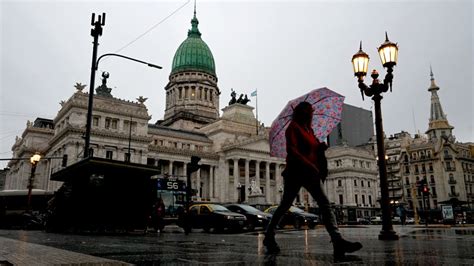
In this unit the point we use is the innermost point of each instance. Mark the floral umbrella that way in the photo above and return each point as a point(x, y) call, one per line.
point(327, 106)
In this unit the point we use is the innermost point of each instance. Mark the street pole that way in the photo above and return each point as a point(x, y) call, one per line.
point(95, 32)
point(428, 208)
point(191, 167)
point(387, 232)
point(30, 185)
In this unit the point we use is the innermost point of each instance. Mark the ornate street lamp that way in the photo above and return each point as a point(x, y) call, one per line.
point(34, 161)
point(388, 53)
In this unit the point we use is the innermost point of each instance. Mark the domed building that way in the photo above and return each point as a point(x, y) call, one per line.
point(192, 94)
point(235, 160)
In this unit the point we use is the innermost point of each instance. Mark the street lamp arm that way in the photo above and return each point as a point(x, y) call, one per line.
point(126, 57)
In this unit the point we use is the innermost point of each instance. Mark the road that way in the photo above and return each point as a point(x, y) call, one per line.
point(417, 245)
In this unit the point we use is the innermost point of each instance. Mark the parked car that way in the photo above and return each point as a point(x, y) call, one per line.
point(410, 220)
point(216, 217)
point(296, 217)
point(255, 217)
point(363, 220)
point(396, 220)
point(376, 220)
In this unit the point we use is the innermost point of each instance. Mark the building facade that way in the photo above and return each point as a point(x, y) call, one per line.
point(353, 183)
point(235, 160)
point(446, 165)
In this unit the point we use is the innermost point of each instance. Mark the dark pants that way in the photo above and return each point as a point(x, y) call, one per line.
point(292, 186)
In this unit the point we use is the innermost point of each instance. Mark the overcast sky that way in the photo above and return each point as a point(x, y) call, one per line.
point(283, 48)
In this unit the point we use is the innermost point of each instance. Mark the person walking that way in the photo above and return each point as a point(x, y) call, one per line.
point(403, 214)
point(158, 215)
point(305, 169)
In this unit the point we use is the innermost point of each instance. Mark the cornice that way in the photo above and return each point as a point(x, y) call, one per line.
point(98, 133)
point(183, 152)
point(32, 129)
point(169, 132)
point(101, 104)
point(352, 170)
point(247, 150)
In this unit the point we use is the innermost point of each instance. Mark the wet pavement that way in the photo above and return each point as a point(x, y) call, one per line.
point(417, 245)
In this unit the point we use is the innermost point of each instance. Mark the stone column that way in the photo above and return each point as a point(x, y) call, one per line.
point(211, 181)
point(267, 182)
point(236, 178)
point(257, 174)
point(247, 181)
point(222, 184)
point(198, 184)
point(170, 168)
point(185, 169)
point(278, 182)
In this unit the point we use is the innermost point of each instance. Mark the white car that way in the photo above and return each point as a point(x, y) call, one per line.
point(376, 220)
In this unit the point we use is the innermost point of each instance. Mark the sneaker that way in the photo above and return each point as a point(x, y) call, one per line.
point(342, 246)
point(270, 243)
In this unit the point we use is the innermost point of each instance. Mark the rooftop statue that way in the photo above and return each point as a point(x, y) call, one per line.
point(232, 97)
point(141, 99)
point(79, 86)
point(103, 90)
point(241, 98)
point(245, 100)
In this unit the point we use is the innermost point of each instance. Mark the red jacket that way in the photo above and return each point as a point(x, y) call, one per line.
point(304, 152)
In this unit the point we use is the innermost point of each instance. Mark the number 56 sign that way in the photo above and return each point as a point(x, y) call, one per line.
point(166, 184)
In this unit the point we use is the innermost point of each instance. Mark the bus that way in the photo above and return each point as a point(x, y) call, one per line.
point(14, 212)
point(173, 193)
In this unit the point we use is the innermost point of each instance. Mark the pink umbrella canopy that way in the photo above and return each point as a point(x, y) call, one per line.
point(327, 106)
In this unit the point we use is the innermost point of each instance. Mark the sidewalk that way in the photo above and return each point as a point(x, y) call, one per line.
point(416, 246)
point(16, 252)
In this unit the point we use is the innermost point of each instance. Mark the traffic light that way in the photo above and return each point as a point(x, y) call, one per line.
point(193, 166)
point(426, 190)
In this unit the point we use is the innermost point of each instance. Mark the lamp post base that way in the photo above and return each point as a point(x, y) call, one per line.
point(388, 235)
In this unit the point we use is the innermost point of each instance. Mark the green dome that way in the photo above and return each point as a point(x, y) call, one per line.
point(193, 54)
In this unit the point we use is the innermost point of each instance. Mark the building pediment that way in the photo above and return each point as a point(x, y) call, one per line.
point(258, 143)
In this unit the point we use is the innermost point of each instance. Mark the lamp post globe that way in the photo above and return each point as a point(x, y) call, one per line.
point(388, 53)
point(35, 158)
point(360, 62)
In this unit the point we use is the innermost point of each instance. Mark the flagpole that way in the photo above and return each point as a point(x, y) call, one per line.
point(256, 107)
